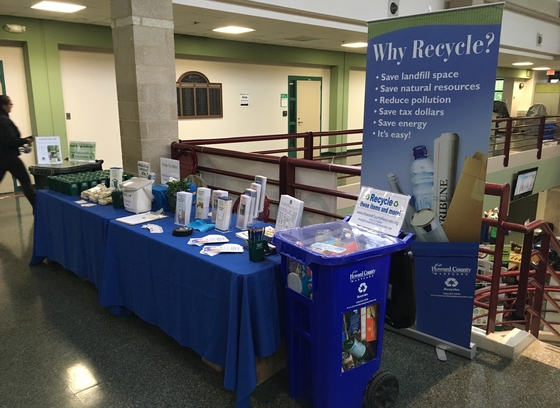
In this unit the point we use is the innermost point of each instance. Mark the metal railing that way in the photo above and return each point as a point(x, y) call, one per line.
point(510, 135)
point(507, 136)
point(309, 150)
point(521, 291)
point(283, 176)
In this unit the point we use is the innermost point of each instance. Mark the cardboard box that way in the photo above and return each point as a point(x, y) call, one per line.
point(266, 366)
point(464, 216)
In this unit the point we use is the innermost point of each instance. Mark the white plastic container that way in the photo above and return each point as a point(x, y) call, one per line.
point(137, 195)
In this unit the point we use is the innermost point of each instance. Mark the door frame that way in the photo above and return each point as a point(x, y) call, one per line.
point(292, 107)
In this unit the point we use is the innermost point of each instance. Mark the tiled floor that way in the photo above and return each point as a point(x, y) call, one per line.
point(59, 348)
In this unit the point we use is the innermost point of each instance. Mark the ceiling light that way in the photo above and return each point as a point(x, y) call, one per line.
point(541, 69)
point(14, 28)
point(59, 7)
point(355, 45)
point(233, 30)
point(522, 64)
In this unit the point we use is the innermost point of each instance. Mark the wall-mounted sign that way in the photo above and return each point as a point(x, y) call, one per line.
point(283, 100)
point(244, 99)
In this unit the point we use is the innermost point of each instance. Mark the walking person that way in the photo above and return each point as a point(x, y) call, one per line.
point(10, 142)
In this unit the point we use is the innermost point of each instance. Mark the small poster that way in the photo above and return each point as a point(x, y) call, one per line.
point(244, 99)
point(143, 169)
point(82, 151)
point(169, 168)
point(48, 150)
point(380, 211)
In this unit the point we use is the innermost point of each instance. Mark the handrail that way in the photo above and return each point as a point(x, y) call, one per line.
point(529, 282)
point(507, 135)
point(286, 180)
point(521, 133)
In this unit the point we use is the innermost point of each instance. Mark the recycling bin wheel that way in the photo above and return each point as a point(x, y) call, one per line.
point(382, 390)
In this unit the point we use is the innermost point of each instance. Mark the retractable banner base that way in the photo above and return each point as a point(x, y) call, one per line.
point(467, 352)
point(445, 285)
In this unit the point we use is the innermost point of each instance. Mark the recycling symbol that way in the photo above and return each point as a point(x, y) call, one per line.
point(451, 282)
point(362, 288)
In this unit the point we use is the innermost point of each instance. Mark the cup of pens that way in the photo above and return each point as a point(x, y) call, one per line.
point(258, 246)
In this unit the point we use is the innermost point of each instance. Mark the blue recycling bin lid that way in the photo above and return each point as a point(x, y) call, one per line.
point(336, 243)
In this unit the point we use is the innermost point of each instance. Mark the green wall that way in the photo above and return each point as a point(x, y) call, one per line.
point(43, 38)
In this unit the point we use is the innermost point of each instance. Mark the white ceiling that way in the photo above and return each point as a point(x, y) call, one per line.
point(200, 22)
point(196, 21)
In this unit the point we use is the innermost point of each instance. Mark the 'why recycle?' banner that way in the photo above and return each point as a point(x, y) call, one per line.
point(427, 120)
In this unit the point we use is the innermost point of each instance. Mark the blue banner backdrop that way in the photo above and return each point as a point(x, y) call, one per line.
point(429, 96)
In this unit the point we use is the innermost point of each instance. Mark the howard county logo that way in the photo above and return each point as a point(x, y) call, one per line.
point(439, 269)
point(358, 276)
point(362, 288)
point(451, 283)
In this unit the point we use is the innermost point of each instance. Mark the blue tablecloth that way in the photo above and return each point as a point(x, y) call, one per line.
point(225, 307)
point(72, 235)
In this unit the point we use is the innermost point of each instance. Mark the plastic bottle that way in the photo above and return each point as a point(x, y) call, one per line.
point(357, 349)
point(422, 170)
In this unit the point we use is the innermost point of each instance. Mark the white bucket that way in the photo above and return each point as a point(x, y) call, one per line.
point(137, 195)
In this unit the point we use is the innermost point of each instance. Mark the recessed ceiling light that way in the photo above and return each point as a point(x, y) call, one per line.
point(541, 68)
point(522, 64)
point(59, 7)
point(355, 45)
point(233, 30)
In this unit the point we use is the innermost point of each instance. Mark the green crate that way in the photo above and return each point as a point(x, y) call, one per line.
point(83, 185)
point(53, 183)
point(69, 187)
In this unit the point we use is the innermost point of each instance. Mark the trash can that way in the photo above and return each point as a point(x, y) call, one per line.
point(41, 172)
point(336, 279)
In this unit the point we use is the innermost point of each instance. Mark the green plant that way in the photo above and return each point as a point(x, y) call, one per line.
point(173, 187)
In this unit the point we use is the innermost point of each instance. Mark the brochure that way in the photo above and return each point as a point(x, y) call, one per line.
point(290, 211)
point(208, 239)
point(215, 250)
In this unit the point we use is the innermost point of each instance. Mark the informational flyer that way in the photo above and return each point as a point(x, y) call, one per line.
point(82, 151)
point(48, 150)
point(380, 211)
point(169, 168)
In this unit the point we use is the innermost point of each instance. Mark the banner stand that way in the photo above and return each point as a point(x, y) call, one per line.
point(434, 341)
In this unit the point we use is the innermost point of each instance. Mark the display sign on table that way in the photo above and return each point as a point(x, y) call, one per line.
point(169, 168)
point(48, 150)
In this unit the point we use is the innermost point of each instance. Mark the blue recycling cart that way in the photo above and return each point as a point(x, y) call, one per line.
point(336, 278)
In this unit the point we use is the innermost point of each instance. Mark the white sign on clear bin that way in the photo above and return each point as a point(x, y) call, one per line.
point(380, 211)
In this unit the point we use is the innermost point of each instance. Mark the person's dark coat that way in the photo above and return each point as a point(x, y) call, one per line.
point(10, 138)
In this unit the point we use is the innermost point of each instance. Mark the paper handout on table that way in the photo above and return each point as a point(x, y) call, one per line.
point(216, 249)
point(154, 228)
point(208, 239)
point(141, 218)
